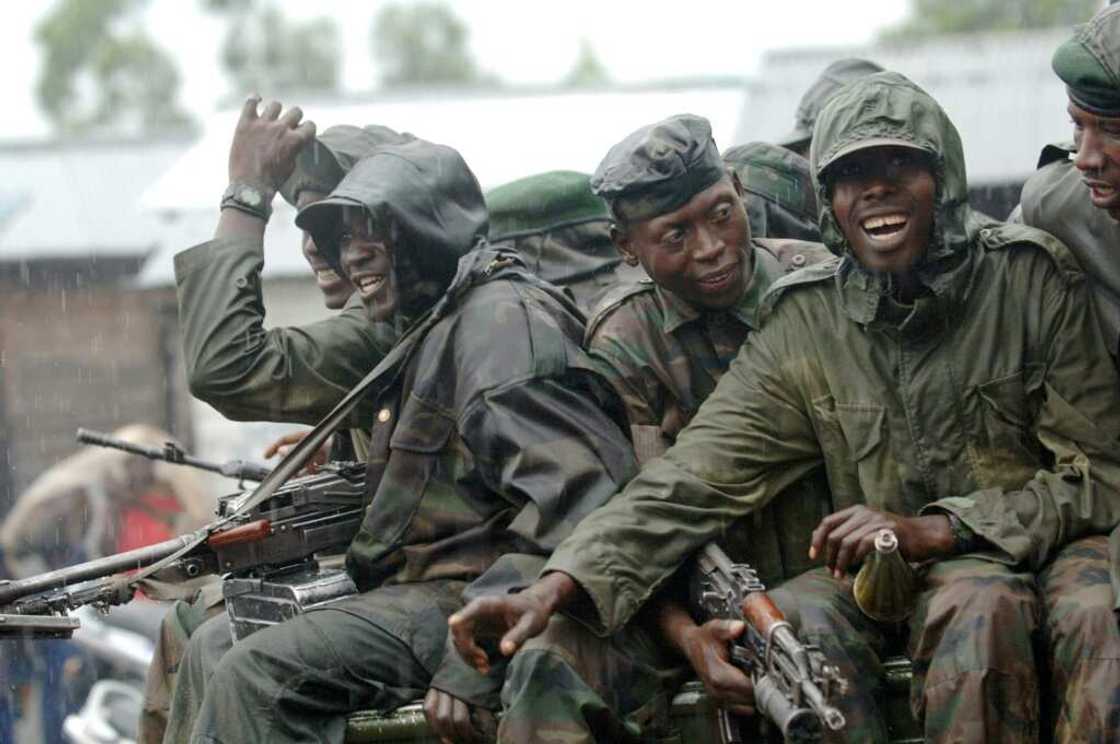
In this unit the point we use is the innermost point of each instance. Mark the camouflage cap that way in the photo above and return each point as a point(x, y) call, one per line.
point(543, 201)
point(775, 174)
point(1089, 64)
point(835, 76)
point(322, 163)
point(658, 168)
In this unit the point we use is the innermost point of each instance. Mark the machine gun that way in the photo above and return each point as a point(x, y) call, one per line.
point(254, 542)
point(794, 686)
point(174, 454)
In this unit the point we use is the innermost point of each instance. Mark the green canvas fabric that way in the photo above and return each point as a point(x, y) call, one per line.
point(1089, 64)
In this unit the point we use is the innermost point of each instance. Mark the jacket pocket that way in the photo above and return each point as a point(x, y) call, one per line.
point(418, 447)
point(852, 439)
point(1004, 451)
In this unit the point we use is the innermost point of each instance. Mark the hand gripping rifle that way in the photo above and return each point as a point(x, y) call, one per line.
point(256, 535)
point(794, 686)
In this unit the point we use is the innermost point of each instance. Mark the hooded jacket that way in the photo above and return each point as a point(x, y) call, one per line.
point(991, 397)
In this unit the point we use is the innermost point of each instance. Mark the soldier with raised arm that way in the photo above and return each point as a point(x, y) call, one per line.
point(951, 381)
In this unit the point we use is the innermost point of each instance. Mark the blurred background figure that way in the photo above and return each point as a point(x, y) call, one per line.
point(96, 502)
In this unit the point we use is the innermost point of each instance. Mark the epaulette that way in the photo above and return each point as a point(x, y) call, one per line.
point(812, 274)
point(794, 254)
point(1058, 151)
point(1005, 236)
point(612, 300)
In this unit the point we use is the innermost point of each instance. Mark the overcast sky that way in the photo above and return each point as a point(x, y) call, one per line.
point(520, 41)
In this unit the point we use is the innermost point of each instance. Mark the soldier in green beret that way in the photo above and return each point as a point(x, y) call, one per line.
point(1075, 195)
point(832, 78)
point(952, 381)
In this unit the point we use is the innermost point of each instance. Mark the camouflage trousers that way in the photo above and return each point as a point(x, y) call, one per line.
point(970, 640)
point(1082, 643)
point(298, 680)
point(569, 686)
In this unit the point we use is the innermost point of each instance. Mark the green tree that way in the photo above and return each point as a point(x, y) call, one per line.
point(265, 52)
point(930, 17)
point(423, 44)
point(588, 71)
point(102, 75)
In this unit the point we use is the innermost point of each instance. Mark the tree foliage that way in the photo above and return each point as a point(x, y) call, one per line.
point(423, 44)
point(931, 17)
point(588, 71)
point(101, 76)
point(265, 52)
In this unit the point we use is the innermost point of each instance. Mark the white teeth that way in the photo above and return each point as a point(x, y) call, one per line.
point(369, 283)
point(890, 220)
point(327, 275)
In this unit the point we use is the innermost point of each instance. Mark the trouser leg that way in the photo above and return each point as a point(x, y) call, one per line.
point(1082, 642)
point(975, 676)
point(569, 686)
point(178, 625)
point(297, 681)
point(823, 612)
point(206, 647)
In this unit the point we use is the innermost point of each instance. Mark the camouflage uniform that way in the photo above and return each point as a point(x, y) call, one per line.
point(663, 356)
point(779, 191)
point(483, 457)
point(249, 373)
point(1081, 588)
point(989, 398)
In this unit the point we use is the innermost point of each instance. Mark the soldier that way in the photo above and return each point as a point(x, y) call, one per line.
point(833, 78)
point(237, 376)
point(951, 382)
point(1078, 200)
point(484, 454)
point(663, 343)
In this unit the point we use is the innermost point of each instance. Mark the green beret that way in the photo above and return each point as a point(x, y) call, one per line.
point(658, 168)
point(322, 163)
point(541, 202)
point(1087, 63)
point(835, 76)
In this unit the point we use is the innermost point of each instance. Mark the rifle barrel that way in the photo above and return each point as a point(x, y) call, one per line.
point(11, 591)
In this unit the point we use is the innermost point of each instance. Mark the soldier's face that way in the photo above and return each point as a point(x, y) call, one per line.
point(336, 289)
point(698, 251)
point(367, 259)
point(1097, 139)
point(883, 199)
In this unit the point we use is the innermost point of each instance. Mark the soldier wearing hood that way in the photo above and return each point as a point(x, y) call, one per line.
point(832, 78)
point(488, 444)
point(951, 380)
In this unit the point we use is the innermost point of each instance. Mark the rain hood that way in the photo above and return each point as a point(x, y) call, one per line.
point(887, 109)
point(424, 191)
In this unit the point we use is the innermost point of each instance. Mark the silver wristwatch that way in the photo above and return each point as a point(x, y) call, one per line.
point(248, 199)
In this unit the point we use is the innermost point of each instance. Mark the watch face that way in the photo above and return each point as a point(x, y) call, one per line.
point(250, 196)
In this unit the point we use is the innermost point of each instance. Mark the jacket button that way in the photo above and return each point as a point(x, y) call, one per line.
point(798, 260)
point(241, 282)
point(384, 415)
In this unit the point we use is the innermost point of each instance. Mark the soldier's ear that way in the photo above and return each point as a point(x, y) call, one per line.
point(621, 238)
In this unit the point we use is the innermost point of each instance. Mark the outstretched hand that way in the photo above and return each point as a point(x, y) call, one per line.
point(847, 536)
point(265, 144)
point(512, 618)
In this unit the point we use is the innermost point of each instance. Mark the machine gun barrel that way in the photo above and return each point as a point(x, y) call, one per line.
point(12, 591)
point(171, 452)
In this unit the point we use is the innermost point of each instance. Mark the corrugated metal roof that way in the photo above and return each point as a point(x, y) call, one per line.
point(66, 200)
point(998, 89)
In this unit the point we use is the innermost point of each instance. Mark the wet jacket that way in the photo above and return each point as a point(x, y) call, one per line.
point(663, 357)
point(990, 397)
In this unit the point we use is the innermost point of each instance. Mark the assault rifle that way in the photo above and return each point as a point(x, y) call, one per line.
point(252, 541)
point(794, 686)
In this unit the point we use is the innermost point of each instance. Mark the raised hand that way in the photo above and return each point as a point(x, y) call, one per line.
point(265, 144)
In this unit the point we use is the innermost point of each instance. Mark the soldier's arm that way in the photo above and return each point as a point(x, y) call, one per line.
point(1078, 426)
point(294, 374)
